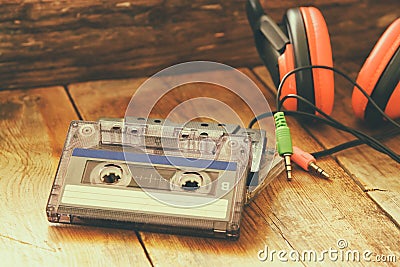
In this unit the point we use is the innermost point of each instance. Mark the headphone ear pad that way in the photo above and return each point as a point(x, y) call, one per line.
point(379, 77)
point(319, 46)
point(392, 107)
point(309, 45)
point(286, 64)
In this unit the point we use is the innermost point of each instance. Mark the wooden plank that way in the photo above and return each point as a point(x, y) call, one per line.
point(389, 201)
point(59, 42)
point(371, 170)
point(33, 127)
point(109, 98)
point(307, 214)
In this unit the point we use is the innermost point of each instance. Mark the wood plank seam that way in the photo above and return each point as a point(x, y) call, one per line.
point(146, 252)
point(78, 113)
point(392, 217)
point(280, 232)
point(51, 249)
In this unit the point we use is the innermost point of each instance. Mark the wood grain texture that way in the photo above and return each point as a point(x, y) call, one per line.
point(306, 214)
point(59, 42)
point(371, 170)
point(33, 127)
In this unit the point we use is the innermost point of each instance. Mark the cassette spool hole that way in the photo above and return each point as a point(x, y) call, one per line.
point(191, 181)
point(111, 174)
point(190, 185)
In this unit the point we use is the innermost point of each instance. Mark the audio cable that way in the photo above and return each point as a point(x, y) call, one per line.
point(306, 160)
point(354, 83)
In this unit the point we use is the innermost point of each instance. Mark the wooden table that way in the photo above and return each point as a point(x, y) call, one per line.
point(361, 205)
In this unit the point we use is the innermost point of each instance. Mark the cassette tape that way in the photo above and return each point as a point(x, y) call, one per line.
point(155, 175)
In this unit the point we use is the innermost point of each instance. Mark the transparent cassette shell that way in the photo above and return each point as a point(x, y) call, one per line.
point(202, 143)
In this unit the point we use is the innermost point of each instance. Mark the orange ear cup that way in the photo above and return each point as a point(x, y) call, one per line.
point(372, 70)
point(319, 47)
point(286, 64)
point(393, 108)
point(321, 54)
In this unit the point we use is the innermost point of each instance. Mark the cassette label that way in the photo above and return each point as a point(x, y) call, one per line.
point(139, 201)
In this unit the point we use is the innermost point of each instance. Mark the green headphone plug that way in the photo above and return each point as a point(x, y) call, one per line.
point(284, 141)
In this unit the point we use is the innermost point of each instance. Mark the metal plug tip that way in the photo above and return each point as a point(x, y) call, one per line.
point(288, 167)
point(325, 175)
point(289, 175)
point(319, 171)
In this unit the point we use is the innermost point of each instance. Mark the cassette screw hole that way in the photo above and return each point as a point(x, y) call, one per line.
point(86, 130)
point(232, 143)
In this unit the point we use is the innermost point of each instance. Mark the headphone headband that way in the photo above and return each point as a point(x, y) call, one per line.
point(270, 40)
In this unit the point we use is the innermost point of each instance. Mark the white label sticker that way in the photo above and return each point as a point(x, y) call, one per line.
point(138, 201)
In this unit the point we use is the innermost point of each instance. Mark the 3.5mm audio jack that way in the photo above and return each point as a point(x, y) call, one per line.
point(307, 162)
point(284, 141)
point(288, 166)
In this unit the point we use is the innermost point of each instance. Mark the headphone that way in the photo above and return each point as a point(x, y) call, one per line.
point(302, 40)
